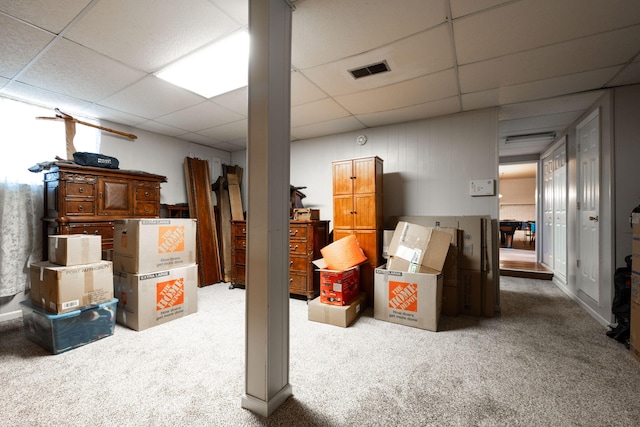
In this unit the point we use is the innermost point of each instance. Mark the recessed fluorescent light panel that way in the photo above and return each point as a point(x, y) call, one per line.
point(214, 70)
point(542, 136)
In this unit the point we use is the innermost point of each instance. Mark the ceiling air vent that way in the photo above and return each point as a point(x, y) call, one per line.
point(369, 70)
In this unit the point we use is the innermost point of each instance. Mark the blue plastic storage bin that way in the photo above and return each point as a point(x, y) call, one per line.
point(62, 332)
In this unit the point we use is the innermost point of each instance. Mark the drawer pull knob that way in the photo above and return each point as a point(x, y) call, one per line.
point(81, 190)
point(96, 232)
point(85, 232)
point(290, 280)
point(290, 262)
point(293, 248)
point(244, 231)
point(293, 232)
point(80, 208)
point(146, 193)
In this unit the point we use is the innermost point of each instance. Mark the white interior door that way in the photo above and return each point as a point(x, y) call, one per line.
point(560, 213)
point(546, 236)
point(589, 199)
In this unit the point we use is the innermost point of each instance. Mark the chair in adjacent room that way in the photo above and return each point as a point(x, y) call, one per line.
point(530, 232)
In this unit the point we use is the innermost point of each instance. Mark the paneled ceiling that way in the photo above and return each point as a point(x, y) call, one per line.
point(541, 62)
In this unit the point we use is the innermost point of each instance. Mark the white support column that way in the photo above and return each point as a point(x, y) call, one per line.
point(267, 276)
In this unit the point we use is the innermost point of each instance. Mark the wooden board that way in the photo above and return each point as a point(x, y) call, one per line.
point(224, 209)
point(201, 208)
point(235, 199)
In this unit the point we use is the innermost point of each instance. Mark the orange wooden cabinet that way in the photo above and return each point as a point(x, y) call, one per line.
point(88, 200)
point(357, 209)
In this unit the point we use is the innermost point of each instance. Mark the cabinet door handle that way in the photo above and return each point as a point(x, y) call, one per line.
point(352, 177)
point(354, 212)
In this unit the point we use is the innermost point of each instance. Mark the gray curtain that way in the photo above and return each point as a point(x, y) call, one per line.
point(21, 212)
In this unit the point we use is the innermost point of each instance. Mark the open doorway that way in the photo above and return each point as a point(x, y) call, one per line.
point(517, 217)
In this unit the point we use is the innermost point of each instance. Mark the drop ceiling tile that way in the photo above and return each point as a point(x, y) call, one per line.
point(317, 111)
point(237, 100)
point(151, 97)
point(629, 75)
point(528, 24)
point(546, 123)
point(466, 7)
point(331, 127)
point(199, 139)
point(76, 71)
point(150, 33)
point(556, 86)
point(561, 104)
point(37, 96)
point(483, 99)
point(441, 107)
point(424, 53)
point(20, 44)
point(326, 31)
point(161, 128)
point(230, 147)
point(199, 117)
point(588, 53)
point(227, 132)
point(303, 90)
point(404, 94)
point(236, 9)
point(95, 110)
point(52, 16)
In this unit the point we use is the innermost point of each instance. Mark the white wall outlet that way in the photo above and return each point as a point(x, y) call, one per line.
point(482, 187)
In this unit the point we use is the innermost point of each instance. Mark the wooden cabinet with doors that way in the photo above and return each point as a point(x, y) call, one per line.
point(88, 200)
point(306, 238)
point(357, 209)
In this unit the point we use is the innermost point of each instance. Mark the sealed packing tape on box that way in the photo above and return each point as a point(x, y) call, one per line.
point(61, 289)
point(74, 249)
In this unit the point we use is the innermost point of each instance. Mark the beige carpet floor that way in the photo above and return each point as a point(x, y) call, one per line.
point(542, 362)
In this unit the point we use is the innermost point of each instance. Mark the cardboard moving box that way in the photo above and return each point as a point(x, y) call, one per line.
point(418, 249)
point(75, 249)
point(337, 315)
point(151, 299)
point(148, 245)
point(61, 289)
point(411, 299)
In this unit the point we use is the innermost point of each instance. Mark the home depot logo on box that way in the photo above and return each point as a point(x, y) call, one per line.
point(170, 239)
point(403, 296)
point(169, 293)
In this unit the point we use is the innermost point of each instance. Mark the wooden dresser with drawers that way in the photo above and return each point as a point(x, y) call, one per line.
point(88, 200)
point(306, 238)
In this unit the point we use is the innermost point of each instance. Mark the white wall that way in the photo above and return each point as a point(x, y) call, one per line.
point(518, 199)
point(427, 165)
point(158, 154)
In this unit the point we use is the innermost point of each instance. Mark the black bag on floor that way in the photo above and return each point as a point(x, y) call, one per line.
point(621, 306)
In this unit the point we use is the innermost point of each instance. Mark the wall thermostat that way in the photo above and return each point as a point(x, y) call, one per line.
point(482, 187)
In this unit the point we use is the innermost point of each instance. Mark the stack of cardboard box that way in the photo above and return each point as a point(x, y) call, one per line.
point(408, 290)
point(634, 331)
point(155, 270)
point(471, 279)
point(340, 301)
point(71, 294)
